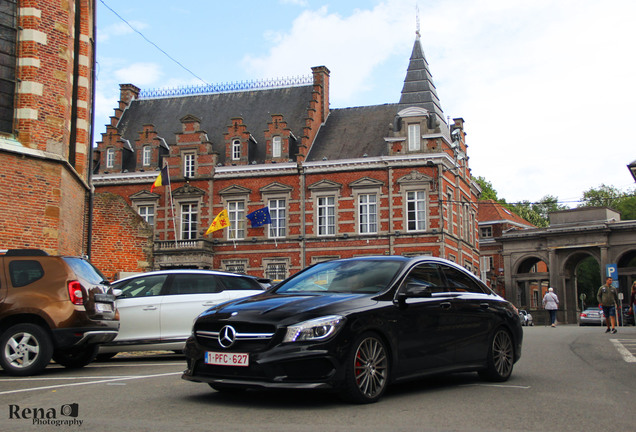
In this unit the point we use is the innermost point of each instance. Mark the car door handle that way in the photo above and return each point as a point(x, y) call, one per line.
point(149, 308)
point(445, 305)
point(484, 305)
point(210, 303)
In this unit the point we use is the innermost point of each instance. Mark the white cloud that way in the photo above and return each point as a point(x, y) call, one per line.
point(142, 74)
point(119, 29)
point(351, 47)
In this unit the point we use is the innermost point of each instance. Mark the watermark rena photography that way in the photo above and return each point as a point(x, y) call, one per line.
point(63, 415)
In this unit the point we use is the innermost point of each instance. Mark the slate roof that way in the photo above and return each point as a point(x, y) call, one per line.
point(351, 133)
point(215, 112)
point(418, 89)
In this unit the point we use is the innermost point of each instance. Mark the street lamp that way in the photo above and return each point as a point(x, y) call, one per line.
point(632, 169)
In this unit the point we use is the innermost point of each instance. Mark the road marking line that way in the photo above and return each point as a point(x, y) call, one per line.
point(497, 385)
point(44, 378)
point(135, 365)
point(101, 381)
point(624, 352)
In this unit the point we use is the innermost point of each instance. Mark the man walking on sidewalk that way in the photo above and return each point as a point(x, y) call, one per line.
point(608, 298)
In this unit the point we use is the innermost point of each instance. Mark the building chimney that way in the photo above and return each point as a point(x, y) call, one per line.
point(128, 93)
point(321, 85)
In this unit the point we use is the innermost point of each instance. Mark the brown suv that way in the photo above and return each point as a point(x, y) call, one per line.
point(52, 307)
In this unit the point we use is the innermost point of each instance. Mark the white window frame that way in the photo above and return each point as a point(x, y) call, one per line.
point(189, 220)
point(367, 213)
point(277, 146)
point(486, 231)
point(414, 214)
point(236, 215)
point(414, 137)
point(147, 213)
point(278, 214)
point(110, 157)
point(236, 149)
point(189, 164)
point(326, 215)
point(146, 156)
point(280, 267)
point(235, 266)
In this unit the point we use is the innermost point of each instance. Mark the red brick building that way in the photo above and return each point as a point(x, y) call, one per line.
point(374, 180)
point(46, 90)
point(495, 220)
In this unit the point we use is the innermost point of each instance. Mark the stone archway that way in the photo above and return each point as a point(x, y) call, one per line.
point(576, 282)
point(531, 279)
point(626, 272)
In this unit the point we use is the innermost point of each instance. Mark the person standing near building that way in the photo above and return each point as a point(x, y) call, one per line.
point(608, 299)
point(632, 302)
point(551, 304)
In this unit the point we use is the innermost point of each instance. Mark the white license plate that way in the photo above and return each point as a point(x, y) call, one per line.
point(227, 359)
point(103, 307)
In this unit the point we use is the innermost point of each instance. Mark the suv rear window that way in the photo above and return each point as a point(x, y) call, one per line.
point(24, 272)
point(240, 283)
point(85, 270)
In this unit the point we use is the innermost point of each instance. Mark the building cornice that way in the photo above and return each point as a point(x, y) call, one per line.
point(290, 168)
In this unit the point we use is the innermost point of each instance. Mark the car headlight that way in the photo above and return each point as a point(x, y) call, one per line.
point(315, 329)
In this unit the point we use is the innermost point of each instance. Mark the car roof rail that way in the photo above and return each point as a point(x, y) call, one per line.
point(25, 252)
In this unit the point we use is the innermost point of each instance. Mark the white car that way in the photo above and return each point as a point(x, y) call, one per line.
point(526, 318)
point(157, 309)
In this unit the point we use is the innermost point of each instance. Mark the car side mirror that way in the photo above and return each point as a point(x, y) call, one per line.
point(414, 290)
point(117, 292)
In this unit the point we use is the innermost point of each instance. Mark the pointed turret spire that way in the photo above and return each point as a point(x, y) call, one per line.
point(419, 89)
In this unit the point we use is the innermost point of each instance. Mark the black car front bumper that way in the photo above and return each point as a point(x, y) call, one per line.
point(295, 366)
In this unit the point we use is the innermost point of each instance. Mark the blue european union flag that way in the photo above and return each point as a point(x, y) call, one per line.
point(260, 217)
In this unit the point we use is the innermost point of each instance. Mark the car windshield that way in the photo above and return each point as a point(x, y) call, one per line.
point(359, 277)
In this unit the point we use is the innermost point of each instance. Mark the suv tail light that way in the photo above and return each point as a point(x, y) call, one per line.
point(75, 292)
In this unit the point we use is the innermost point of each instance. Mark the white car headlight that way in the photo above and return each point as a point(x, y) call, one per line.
point(315, 329)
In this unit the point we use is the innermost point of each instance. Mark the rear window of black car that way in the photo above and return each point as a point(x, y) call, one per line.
point(24, 272)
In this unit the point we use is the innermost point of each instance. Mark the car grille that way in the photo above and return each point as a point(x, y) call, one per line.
point(247, 337)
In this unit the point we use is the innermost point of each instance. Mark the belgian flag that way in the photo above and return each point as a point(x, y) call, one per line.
point(162, 178)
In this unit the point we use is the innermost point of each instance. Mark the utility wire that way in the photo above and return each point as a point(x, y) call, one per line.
point(154, 44)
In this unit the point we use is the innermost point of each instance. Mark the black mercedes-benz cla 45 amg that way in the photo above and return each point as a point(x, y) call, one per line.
point(355, 326)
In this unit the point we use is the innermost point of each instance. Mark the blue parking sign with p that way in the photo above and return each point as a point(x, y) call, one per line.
point(611, 270)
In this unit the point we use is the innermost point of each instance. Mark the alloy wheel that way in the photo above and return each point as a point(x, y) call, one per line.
point(370, 367)
point(502, 353)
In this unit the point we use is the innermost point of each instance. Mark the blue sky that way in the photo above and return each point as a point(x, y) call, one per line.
point(546, 87)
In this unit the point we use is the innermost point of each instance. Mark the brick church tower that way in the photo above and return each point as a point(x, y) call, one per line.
point(46, 92)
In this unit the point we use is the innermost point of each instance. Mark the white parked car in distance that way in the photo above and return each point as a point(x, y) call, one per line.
point(526, 318)
point(157, 309)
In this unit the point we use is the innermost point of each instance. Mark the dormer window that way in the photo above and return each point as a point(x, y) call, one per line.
point(146, 156)
point(110, 158)
point(236, 150)
point(276, 147)
point(188, 165)
point(414, 137)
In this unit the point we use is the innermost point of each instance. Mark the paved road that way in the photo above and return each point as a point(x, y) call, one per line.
point(569, 378)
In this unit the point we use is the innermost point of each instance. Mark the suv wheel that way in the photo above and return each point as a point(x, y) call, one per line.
point(76, 357)
point(25, 349)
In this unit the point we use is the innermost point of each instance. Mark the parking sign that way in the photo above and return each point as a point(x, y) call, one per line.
point(611, 270)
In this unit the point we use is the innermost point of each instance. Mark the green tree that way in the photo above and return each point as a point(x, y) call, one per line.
point(488, 192)
point(538, 213)
point(610, 196)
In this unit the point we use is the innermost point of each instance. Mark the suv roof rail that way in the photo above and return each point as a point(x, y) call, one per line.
point(25, 252)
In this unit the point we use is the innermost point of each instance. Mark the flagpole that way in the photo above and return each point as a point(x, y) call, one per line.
point(174, 225)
